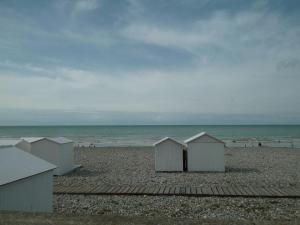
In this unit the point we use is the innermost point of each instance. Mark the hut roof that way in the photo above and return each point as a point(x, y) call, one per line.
point(32, 139)
point(201, 135)
point(59, 140)
point(8, 142)
point(16, 164)
point(171, 139)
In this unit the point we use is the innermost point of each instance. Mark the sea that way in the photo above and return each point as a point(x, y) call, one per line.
point(146, 135)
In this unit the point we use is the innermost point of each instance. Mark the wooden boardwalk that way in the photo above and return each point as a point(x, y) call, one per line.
point(234, 191)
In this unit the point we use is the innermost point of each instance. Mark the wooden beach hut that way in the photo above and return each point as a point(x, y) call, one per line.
point(58, 151)
point(169, 155)
point(26, 181)
point(205, 153)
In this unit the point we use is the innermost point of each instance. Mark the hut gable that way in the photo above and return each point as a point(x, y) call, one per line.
point(60, 140)
point(32, 139)
point(168, 139)
point(25, 165)
point(203, 137)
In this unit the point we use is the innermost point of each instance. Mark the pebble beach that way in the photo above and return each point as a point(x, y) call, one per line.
point(257, 167)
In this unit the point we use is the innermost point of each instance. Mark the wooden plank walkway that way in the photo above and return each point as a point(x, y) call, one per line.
point(236, 191)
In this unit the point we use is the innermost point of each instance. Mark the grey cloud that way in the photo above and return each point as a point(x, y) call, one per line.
point(292, 64)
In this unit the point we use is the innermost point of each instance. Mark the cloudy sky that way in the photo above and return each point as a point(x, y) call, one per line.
point(149, 62)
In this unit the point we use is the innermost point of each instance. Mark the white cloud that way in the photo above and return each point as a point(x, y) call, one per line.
point(84, 6)
point(219, 90)
point(249, 33)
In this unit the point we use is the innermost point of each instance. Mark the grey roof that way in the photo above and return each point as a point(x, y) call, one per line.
point(16, 164)
point(8, 142)
point(32, 139)
point(168, 138)
point(61, 140)
point(200, 135)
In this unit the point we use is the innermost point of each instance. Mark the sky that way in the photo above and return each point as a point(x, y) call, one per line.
point(149, 62)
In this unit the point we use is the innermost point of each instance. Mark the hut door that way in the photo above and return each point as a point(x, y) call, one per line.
point(184, 160)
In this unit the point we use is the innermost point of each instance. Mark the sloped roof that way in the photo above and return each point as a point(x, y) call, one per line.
point(32, 139)
point(8, 142)
point(201, 135)
point(16, 164)
point(168, 138)
point(60, 140)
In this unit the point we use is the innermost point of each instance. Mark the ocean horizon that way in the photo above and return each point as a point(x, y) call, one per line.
point(144, 135)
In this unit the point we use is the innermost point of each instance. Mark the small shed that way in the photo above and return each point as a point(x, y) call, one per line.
point(26, 181)
point(169, 155)
point(58, 151)
point(205, 153)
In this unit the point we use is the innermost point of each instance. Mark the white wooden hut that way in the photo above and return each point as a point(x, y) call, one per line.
point(58, 151)
point(26, 181)
point(169, 155)
point(205, 153)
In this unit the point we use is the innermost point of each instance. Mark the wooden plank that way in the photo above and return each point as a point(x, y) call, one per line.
point(275, 192)
point(227, 191)
point(141, 190)
point(177, 190)
point(124, 189)
point(254, 192)
point(115, 189)
point(247, 191)
point(98, 189)
point(188, 190)
point(57, 189)
point(156, 190)
point(294, 191)
point(289, 191)
point(89, 189)
point(284, 192)
point(166, 191)
point(268, 192)
point(214, 190)
point(199, 190)
point(172, 190)
point(220, 190)
point(135, 189)
point(151, 190)
point(262, 192)
point(237, 191)
point(193, 191)
point(73, 189)
point(182, 191)
point(161, 190)
point(107, 190)
point(146, 190)
point(241, 190)
point(207, 191)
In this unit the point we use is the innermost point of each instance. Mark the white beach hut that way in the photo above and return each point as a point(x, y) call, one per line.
point(58, 151)
point(26, 181)
point(169, 155)
point(205, 153)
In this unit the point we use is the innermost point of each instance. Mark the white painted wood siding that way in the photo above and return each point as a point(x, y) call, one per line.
point(168, 156)
point(61, 155)
point(32, 194)
point(206, 156)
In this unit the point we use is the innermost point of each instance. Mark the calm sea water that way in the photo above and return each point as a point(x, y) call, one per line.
point(146, 135)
